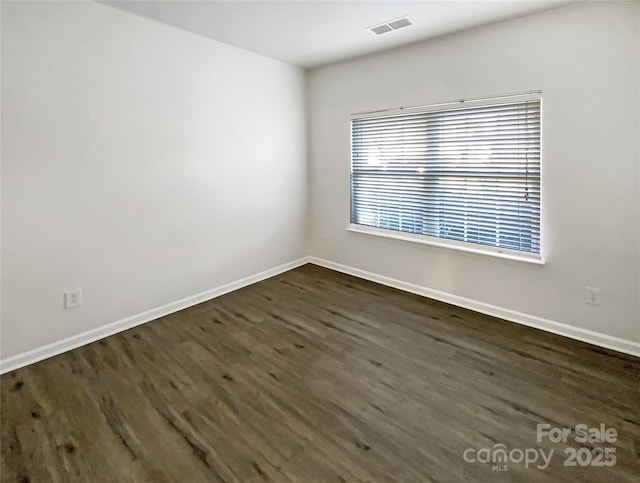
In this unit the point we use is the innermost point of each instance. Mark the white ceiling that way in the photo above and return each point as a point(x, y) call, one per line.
point(310, 33)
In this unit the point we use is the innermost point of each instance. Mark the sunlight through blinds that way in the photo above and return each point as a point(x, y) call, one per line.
point(469, 173)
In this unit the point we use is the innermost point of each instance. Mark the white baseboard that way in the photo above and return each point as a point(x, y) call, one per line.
point(64, 345)
point(584, 335)
point(55, 348)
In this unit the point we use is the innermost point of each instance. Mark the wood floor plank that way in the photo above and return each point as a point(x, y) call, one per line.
point(315, 376)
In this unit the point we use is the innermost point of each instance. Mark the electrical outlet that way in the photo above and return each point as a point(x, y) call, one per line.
point(592, 296)
point(72, 298)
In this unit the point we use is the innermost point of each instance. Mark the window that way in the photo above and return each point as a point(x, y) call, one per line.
point(469, 173)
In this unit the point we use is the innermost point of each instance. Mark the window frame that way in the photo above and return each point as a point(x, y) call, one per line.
point(468, 247)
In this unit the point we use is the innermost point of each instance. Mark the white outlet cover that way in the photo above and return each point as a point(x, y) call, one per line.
point(592, 296)
point(72, 298)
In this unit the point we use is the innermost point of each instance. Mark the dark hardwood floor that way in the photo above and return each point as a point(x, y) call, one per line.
point(315, 376)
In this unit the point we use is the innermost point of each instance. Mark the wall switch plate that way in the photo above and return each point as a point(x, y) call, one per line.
point(72, 298)
point(592, 296)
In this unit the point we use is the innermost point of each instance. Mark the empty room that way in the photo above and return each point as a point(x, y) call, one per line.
point(320, 241)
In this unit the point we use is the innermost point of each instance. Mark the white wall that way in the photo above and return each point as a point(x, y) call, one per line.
point(140, 163)
point(145, 164)
point(585, 58)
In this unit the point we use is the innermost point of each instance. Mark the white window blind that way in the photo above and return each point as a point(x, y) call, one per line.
point(470, 173)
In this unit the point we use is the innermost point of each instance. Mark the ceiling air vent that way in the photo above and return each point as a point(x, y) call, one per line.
point(391, 25)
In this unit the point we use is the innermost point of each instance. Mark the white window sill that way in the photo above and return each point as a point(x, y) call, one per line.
point(451, 244)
